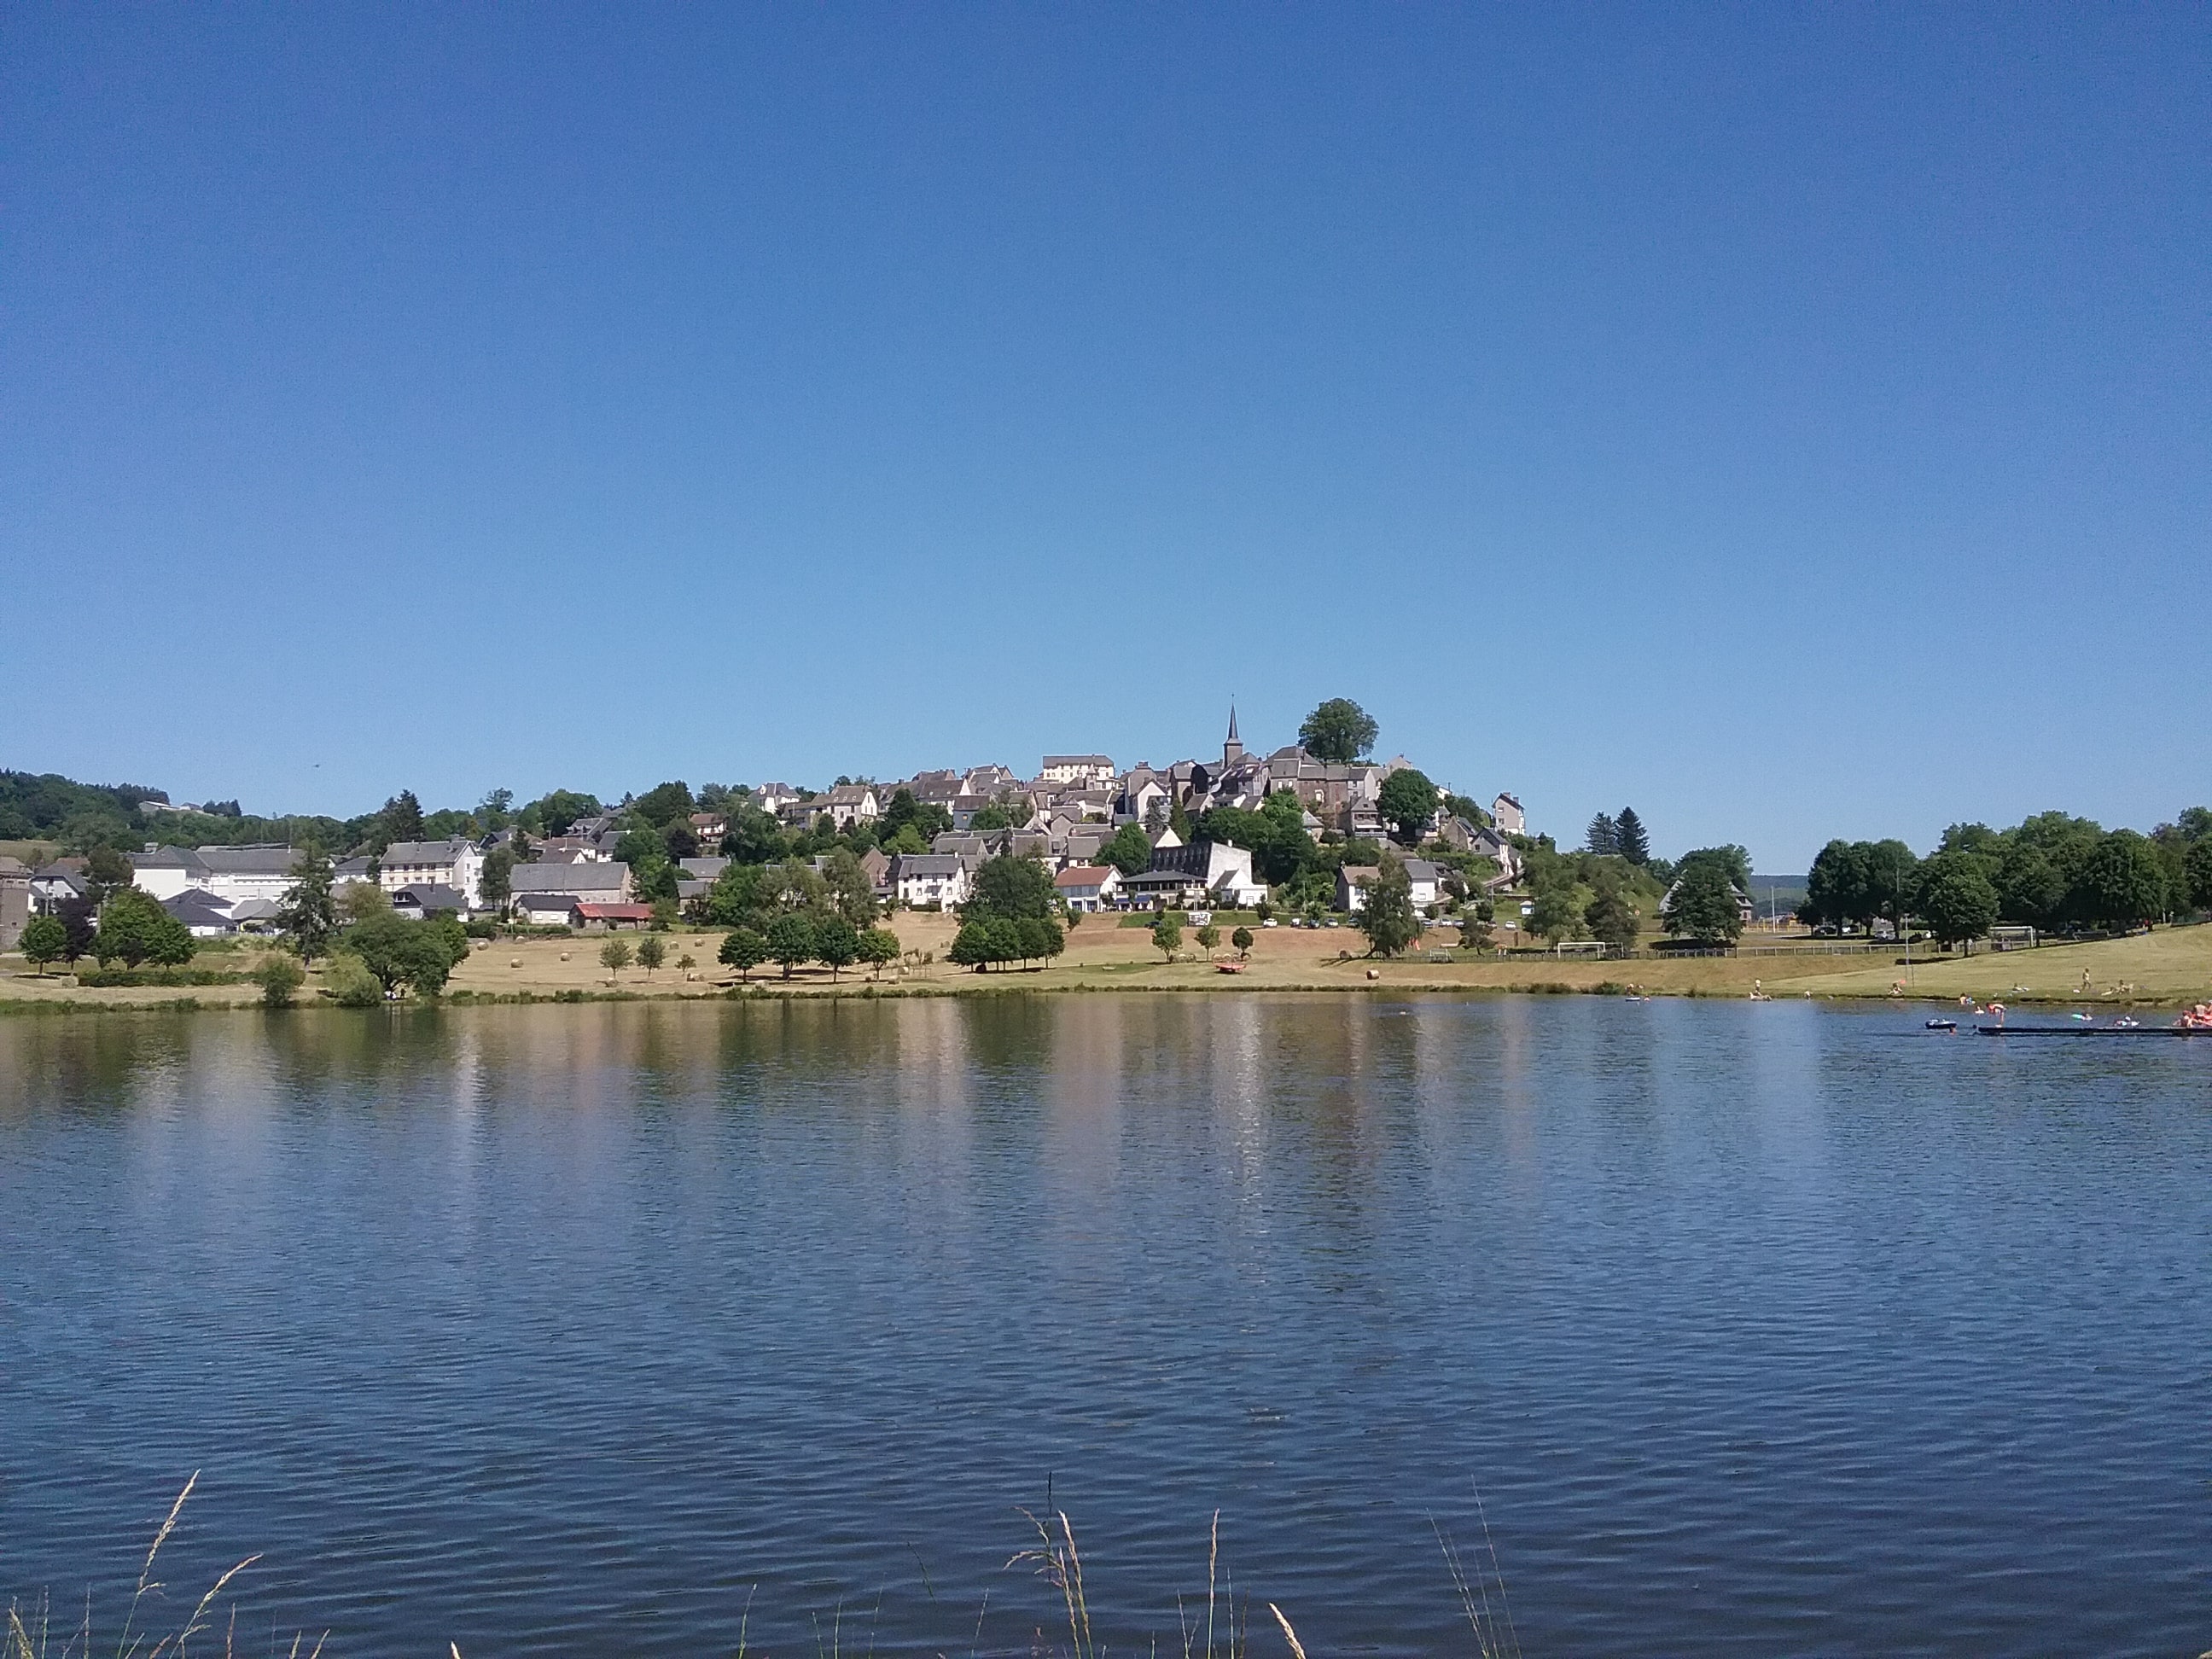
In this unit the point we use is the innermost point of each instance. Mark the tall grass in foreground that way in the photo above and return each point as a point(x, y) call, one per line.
point(33, 1637)
point(1220, 1628)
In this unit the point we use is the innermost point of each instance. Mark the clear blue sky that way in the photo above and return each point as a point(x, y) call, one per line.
point(1790, 421)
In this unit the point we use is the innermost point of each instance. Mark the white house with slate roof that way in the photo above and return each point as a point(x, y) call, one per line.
point(456, 864)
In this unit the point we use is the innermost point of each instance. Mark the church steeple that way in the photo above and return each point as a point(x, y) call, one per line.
point(1232, 751)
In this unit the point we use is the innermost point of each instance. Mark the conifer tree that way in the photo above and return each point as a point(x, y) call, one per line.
point(1629, 840)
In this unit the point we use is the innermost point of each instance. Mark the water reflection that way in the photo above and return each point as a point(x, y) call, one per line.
point(548, 1328)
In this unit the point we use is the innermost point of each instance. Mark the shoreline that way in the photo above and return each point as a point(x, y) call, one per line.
point(190, 1002)
point(2170, 968)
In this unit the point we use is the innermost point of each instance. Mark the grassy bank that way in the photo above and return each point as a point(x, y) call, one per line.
point(2169, 968)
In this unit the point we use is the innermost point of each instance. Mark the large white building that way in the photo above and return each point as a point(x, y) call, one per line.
point(230, 874)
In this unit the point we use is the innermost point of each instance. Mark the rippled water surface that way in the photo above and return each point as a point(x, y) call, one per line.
point(1757, 1328)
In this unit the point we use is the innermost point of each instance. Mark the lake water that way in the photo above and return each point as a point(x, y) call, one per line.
point(1755, 1328)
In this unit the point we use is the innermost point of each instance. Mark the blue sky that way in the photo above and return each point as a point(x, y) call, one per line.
point(1790, 421)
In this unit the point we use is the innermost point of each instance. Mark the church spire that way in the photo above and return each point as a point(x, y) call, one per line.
point(1232, 722)
point(1232, 751)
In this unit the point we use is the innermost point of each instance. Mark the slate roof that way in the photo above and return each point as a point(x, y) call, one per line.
point(567, 878)
point(424, 852)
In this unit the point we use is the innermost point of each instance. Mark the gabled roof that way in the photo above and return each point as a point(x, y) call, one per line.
point(928, 865)
point(428, 896)
point(424, 852)
point(566, 877)
point(546, 900)
point(267, 859)
point(1085, 875)
point(198, 907)
point(592, 910)
point(168, 858)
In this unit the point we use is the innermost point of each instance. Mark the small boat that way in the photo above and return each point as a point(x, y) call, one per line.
point(1942, 1025)
point(1229, 967)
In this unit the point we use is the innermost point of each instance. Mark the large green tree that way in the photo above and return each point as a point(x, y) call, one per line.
point(134, 929)
point(309, 911)
point(1702, 906)
point(790, 939)
point(1955, 899)
point(420, 955)
point(664, 804)
point(847, 889)
point(1407, 803)
point(1128, 850)
point(2197, 867)
point(1387, 916)
point(1611, 919)
point(495, 884)
point(1629, 839)
point(743, 949)
point(2122, 883)
point(836, 942)
point(44, 940)
point(401, 818)
point(1338, 729)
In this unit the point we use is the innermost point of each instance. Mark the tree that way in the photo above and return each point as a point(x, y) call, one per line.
point(790, 939)
point(880, 947)
point(1009, 886)
point(848, 888)
point(2197, 867)
point(1603, 835)
point(664, 804)
point(106, 872)
point(2030, 889)
point(1629, 840)
point(80, 921)
point(837, 943)
point(1338, 729)
point(1408, 801)
point(1209, 939)
point(1955, 897)
point(1013, 915)
point(1128, 850)
point(555, 813)
point(743, 949)
point(1242, 939)
point(613, 957)
point(1893, 875)
point(1387, 916)
point(652, 952)
point(363, 901)
point(420, 955)
point(496, 882)
point(1836, 886)
point(2122, 885)
point(308, 912)
point(985, 819)
point(134, 929)
point(1702, 906)
point(1557, 911)
point(1611, 919)
point(44, 940)
point(401, 818)
point(348, 982)
point(1167, 934)
point(280, 978)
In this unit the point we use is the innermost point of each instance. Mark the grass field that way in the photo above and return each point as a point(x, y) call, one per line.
point(2168, 968)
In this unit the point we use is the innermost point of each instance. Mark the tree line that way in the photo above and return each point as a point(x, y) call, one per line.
point(2052, 872)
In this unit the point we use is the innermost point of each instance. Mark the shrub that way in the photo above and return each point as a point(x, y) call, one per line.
point(348, 982)
point(280, 978)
